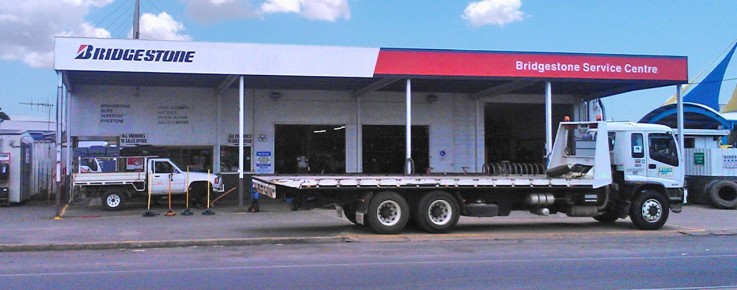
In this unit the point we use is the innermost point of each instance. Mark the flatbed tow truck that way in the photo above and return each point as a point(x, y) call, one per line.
point(596, 169)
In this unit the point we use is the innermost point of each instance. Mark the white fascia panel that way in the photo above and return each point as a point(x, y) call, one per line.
point(215, 58)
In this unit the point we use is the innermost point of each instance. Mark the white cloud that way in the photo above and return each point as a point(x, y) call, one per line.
point(29, 27)
point(325, 10)
point(218, 10)
point(161, 27)
point(328, 10)
point(493, 12)
point(281, 6)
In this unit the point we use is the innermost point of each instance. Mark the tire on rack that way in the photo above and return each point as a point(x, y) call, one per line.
point(723, 194)
point(388, 213)
point(113, 199)
point(437, 212)
point(649, 210)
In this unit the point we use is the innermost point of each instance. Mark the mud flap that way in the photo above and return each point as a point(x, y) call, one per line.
point(338, 211)
point(362, 207)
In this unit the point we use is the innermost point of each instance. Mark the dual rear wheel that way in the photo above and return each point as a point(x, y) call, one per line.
point(435, 212)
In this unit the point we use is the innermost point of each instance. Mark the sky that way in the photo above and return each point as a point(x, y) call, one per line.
point(699, 30)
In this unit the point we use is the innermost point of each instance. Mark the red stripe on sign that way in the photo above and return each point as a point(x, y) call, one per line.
point(493, 64)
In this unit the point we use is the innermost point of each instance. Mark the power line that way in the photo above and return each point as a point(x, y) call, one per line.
point(710, 82)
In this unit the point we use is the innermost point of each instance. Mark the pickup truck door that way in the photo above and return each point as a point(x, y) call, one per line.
point(166, 178)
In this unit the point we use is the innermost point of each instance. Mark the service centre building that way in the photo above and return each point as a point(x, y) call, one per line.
point(321, 109)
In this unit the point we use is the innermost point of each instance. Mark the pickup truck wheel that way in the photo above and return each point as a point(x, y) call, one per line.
point(198, 195)
point(649, 210)
point(437, 212)
point(388, 213)
point(723, 194)
point(113, 200)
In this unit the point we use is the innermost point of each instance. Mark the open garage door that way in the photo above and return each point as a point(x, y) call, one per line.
point(314, 149)
point(384, 148)
point(516, 132)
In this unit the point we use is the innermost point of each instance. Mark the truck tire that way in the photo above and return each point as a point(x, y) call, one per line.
point(649, 210)
point(388, 213)
point(437, 212)
point(113, 200)
point(198, 194)
point(723, 194)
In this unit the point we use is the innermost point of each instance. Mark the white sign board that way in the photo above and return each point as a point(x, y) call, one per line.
point(124, 55)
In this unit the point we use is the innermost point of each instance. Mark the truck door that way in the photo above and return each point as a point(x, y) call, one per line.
point(634, 158)
point(663, 161)
point(166, 177)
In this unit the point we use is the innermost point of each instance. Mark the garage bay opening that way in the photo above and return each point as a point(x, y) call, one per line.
point(384, 148)
point(314, 149)
point(516, 132)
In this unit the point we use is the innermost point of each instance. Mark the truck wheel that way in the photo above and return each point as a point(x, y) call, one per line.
point(723, 194)
point(649, 210)
point(607, 217)
point(388, 213)
point(437, 212)
point(113, 200)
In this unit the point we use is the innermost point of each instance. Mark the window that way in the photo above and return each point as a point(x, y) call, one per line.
point(229, 158)
point(637, 150)
point(689, 143)
point(663, 148)
point(164, 167)
point(612, 138)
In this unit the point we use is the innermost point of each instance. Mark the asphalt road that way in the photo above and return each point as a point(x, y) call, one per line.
point(686, 262)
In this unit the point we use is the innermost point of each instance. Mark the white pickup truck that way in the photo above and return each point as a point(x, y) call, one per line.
point(597, 169)
point(115, 179)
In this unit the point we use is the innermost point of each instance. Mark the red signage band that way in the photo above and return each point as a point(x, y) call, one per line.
point(492, 64)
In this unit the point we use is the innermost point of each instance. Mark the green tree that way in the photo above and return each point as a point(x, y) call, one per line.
point(3, 116)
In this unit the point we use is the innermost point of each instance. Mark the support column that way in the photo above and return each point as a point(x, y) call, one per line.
point(548, 120)
point(241, 109)
point(57, 164)
point(68, 125)
point(359, 137)
point(479, 132)
point(216, 151)
point(408, 166)
point(679, 116)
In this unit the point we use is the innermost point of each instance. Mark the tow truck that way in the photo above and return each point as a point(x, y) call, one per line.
point(604, 170)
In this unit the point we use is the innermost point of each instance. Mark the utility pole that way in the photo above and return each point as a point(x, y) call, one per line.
point(136, 20)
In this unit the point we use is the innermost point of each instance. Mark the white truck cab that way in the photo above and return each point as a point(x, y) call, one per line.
point(646, 153)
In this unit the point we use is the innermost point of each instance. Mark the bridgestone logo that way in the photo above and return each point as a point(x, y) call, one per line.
point(150, 55)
